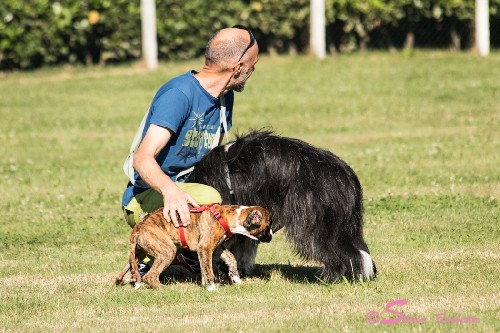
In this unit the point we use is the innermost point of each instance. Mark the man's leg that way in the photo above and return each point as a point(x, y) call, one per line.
point(150, 200)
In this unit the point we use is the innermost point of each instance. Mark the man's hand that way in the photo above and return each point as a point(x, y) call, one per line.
point(175, 204)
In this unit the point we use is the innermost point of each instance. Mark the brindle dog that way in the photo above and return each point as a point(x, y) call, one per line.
point(156, 237)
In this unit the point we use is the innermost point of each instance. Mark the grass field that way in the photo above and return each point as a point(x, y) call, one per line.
point(422, 132)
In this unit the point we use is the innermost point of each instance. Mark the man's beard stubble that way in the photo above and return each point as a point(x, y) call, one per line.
point(239, 87)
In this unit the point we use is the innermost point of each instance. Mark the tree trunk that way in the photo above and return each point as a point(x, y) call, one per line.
point(455, 40)
point(455, 44)
point(410, 40)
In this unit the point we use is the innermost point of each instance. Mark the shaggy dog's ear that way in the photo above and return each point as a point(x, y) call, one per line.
point(254, 218)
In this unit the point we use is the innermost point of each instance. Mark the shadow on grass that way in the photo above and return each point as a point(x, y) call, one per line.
point(299, 274)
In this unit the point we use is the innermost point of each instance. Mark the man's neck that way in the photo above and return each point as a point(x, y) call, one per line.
point(213, 81)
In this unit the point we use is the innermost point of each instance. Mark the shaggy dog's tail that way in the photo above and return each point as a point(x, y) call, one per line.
point(346, 260)
point(368, 268)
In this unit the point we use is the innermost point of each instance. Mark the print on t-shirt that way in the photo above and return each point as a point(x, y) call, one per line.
point(198, 138)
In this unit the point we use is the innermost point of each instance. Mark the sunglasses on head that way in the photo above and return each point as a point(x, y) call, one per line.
point(252, 39)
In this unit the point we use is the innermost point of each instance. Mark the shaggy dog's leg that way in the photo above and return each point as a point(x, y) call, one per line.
point(244, 250)
point(230, 262)
point(334, 271)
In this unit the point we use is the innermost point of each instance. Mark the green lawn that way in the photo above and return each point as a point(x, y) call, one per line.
point(422, 133)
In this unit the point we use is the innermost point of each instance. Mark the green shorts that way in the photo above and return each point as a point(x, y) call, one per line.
point(150, 200)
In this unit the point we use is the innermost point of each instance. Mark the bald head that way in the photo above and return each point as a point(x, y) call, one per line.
point(226, 46)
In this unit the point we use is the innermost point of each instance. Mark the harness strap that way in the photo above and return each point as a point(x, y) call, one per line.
point(227, 176)
point(199, 209)
point(216, 214)
point(222, 222)
point(183, 237)
point(128, 164)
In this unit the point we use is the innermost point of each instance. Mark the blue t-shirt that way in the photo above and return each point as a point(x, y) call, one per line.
point(193, 115)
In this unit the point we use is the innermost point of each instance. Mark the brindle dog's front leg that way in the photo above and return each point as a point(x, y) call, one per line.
point(205, 253)
point(230, 261)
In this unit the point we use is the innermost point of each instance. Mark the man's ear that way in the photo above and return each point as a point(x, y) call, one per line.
point(254, 218)
point(238, 68)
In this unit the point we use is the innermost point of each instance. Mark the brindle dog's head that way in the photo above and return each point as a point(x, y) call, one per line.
point(257, 221)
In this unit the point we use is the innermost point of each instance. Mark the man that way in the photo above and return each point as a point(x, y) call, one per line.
point(181, 125)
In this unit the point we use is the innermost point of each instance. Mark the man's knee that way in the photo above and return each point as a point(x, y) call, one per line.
point(129, 217)
point(150, 200)
point(212, 195)
point(142, 204)
point(201, 193)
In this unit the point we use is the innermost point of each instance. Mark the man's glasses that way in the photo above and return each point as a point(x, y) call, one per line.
point(252, 39)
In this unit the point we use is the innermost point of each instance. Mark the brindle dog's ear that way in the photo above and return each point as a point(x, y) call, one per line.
point(254, 218)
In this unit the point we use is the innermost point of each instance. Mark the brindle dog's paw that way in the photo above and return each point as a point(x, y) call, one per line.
point(212, 287)
point(236, 279)
point(152, 282)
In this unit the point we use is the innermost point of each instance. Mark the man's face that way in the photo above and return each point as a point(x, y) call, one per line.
point(239, 84)
point(246, 70)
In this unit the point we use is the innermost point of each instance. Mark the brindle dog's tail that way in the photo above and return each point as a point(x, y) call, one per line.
point(121, 276)
point(134, 269)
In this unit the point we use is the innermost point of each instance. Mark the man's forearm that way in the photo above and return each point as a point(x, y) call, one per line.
point(151, 173)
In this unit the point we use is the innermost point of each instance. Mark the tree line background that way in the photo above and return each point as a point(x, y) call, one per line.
point(34, 33)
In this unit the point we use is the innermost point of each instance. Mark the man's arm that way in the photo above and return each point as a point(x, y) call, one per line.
point(174, 199)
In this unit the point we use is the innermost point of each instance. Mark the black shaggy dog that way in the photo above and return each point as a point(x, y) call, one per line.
point(310, 191)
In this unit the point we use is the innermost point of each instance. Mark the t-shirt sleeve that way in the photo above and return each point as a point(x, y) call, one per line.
point(170, 109)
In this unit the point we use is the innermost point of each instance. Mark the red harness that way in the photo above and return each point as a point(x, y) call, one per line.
point(200, 209)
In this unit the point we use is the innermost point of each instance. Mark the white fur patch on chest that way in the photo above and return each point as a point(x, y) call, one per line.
point(242, 231)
